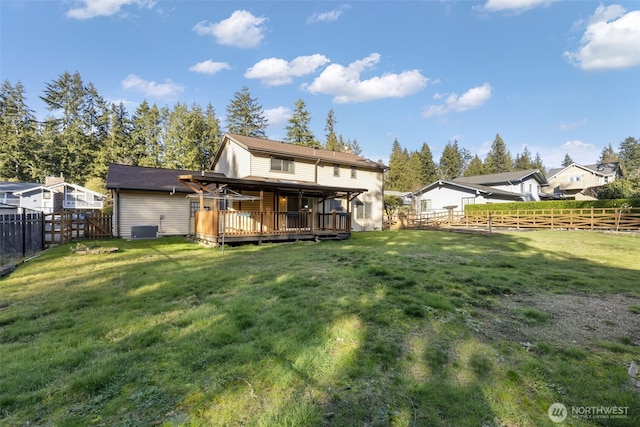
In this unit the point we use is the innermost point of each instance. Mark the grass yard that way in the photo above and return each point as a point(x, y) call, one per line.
point(394, 328)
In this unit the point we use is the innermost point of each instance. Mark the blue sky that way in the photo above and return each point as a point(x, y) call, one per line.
point(555, 76)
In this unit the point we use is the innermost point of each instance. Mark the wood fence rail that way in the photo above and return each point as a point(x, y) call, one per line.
point(65, 226)
point(618, 219)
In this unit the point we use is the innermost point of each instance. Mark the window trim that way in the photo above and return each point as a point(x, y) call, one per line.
point(282, 161)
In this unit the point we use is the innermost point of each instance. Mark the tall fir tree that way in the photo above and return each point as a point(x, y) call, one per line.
point(475, 167)
point(629, 153)
point(117, 147)
point(608, 155)
point(452, 162)
point(498, 158)
point(537, 164)
point(147, 135)
point(331, 141)
point(18, 135)
point(523, 161)
point(396, 174)
point(567, 160)
point(298, 131)
point(245, 115)
point(428, 169)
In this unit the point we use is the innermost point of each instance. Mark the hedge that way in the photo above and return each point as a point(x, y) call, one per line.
point(553, 204)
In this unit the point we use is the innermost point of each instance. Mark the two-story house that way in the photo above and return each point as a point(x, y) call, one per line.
point(257, 190)
point(52, 196)
point(455, 194)
point(575, 181)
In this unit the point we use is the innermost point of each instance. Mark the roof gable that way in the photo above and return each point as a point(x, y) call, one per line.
point(277, 148)
point(487, 191)
point(603, 169)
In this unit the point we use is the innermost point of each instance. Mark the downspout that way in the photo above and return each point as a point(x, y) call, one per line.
point(118, 212)
point(316, 171)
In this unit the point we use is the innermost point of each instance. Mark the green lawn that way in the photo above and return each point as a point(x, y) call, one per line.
point(387, 328)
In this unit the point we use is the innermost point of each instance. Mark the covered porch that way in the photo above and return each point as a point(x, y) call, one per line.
point(232, 210)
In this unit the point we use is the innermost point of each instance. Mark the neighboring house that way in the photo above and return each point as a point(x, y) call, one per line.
point(258, 190)
point(494, 188)
point(405, 196)
point(573, 181)
point(9, 200)
point(53, 196)
point(148, 199)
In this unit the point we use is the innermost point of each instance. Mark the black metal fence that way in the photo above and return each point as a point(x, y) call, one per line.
point(21, 235)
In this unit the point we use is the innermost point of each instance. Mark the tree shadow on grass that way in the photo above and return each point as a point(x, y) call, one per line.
point(376, 330)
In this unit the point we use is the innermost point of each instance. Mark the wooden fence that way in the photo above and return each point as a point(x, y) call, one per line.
point(21, 235)
point(65, 226)
point(617, 219)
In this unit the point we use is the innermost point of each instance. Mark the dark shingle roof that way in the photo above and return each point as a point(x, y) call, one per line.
point(298, 151)
point(502, 178)
point(125, 177)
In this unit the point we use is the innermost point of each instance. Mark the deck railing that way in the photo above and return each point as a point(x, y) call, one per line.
point(584, 219)
point(246, 223)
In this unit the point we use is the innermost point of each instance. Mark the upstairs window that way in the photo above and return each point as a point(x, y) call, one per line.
point(353, 172)
point(279, 164)
point(336, 169)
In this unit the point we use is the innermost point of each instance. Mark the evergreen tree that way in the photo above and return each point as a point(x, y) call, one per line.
point(414, 174)
point(523, 161)
point(331, 142)
point(352, 147)
point(475, 167)
point(567, 160)
point(245, 115)
point(211, 137)
point(428, 169)
point(629, 152)
point(452, 162)
point(396, 174)
point(298, 131)
point(148, 143)
point(82, 119)
point(537, 164)
point(118, 144)
point(498, 158)
point(18, 135)
point(608, 155)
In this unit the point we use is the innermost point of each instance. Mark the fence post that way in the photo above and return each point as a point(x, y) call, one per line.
point(592, 218)
point(489, 222)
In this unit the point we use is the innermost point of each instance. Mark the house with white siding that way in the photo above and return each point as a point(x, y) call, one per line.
point(575, 181)
point(258, 189)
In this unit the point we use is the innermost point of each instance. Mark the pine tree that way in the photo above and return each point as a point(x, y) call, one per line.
point(245, 115)
point(352, 147)
point(428, 169)
point(118, 144)
point(211, 137)
point(523, 161)
point(537, 164)
point(452, 163)
point(331, 142)
point(498, 158)
point(475, 167)
point(608, 155)
point(396, 174)
point(18, 135)
point(147, 135)
point(298, 131)
point(567, 160)
point(629, 152)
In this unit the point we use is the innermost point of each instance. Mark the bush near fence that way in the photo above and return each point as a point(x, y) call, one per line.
point(553, 205)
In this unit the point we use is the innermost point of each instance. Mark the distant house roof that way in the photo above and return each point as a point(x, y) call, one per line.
point(266, 146)
point(126, 177)
point(504, 178)
point(37, 188)
point(14, 187)
point(487, 191)
point(604, 169)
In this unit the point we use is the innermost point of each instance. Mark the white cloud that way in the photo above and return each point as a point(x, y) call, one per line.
point(580, 152)
point(516, 6)
point(611, 40)
point(241, 29)
point(209, 67)
point(168, 89)
point(345, 85)
point(277, 116)
point(329, 16)
point(471, 99)
point(572, 125)
point(92, 8)
point(278, 72)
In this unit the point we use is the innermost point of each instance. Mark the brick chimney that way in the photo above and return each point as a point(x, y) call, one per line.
point(53, 180)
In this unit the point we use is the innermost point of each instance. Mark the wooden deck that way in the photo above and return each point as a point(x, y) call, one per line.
point(219, 227)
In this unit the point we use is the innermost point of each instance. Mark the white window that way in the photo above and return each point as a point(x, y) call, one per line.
point(468, 201)
point(336, 170)
point(363, 210)
point(281, 165)
point(353, 172)
point(425, 205)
